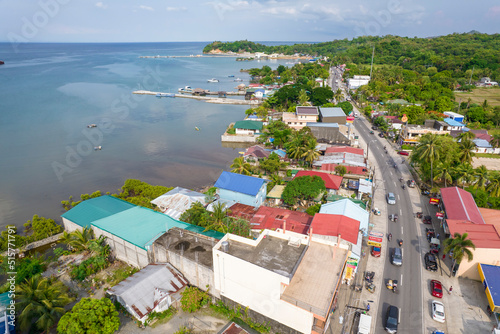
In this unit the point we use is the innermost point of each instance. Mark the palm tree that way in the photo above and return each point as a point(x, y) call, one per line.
point(444, 173)
point(41, 301)
point(338, 95)
point(240, 166)
point(466, 147)
point(295, 150)
point(303, 98)
point(276, 179)
point(460, 245)
point(494, 186)
point(481, 174)
point(463, 174)
point(218, 217)
point(495, 141)
point(428, 150)
point(466, 136)
point(79, 239)
point(311, 153)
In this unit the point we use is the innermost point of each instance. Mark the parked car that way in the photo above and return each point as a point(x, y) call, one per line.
point(391, 199)
point(403, 153)
point(430, 262)
point(438, 311)
point(392, 319)
point(437, 288)
point(376, 251)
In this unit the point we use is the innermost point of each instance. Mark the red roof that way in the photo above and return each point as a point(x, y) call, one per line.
point(257, 152)
point(239, 210)
point(274, 218)
point(350, 169)
point(333, 225)
point(482, 235)
point(345, 149)
point(234, 329)
point(331, 181)
point(459, 204)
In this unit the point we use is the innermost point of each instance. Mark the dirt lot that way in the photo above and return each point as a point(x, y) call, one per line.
point(478, 95)
point(490, 163)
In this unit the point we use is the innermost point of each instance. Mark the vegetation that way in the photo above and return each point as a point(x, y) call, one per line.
point(240, 166)
point(120, 275)
point(460, 245)
point(193, 299)
point(40, 303)
point(90, 316)
point(69, 204)
point(304, 188)
point(141, 193)
point(161, 317)
point(239, 313)
point(36, 229)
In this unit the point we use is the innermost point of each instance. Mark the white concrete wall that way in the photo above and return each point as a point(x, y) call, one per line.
point(245, 132)
point(124, 250)
point(69, 226)
point(257, 288)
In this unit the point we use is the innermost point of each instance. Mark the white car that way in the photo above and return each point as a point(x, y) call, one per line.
point(438, 311)
point(391, 199)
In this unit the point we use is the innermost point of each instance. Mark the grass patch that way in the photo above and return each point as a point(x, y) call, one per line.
point(478, 95)
point(487, 155)
point(156, 318)
point(120, 274)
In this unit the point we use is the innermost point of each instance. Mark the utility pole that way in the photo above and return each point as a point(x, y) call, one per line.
point(371, 67)
point(471, 74)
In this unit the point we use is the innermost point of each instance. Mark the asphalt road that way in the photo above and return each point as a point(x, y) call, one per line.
point(409, 295)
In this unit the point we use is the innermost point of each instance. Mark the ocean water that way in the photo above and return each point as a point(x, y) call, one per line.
point(49, 93)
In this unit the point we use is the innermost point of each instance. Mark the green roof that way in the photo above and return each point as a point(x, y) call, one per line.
point(333, 198)
point(96, 208)
point(140, 226)
point(248, 125)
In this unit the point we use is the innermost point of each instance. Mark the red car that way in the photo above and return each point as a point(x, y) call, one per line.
point(376, 251)
point(403, 153)
point(437, 289)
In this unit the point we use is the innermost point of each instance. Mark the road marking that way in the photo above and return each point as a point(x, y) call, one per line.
point(399, 197)
point(401, 229)
point(401, 284)
point(400, 212)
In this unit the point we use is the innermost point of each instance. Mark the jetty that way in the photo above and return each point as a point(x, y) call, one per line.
point(207, 99)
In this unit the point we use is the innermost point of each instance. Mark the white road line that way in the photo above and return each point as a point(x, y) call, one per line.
point(401, 284)
point(400, 212)
point(401, 229)
point(399, 197)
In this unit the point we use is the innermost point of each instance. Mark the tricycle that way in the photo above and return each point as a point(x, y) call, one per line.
point(370, 287)
point(427, 220)
point(376, 212)
point(369, 276)
point(392, 284)
point(393, 218)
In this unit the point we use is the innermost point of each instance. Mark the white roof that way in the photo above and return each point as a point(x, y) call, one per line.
point(178, 200)
point(365, 186)
point(145, 289)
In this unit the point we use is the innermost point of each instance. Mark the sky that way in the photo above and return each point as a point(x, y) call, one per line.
point(80, 21)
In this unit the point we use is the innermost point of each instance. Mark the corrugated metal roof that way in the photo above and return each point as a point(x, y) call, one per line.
point(248, 125)
point(333, 225)
point(322, 125)
point(452, 122)
point(302, 110)
point(96, 208)
point(482, 143)
point(332, 112)
point(144, 290)
point(178, 200)
point(240, 183)
point(459, 204)
point(347, 208)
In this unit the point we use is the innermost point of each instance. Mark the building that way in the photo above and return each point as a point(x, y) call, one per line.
point(460, 205)
point(328, 133)
point(339, 229)
point(490, 277)
point(82, 215)
point(301, 117)
point(152, 289)
point(411, 133)
point(358, 81)
point(288, 279)
point(482, 146)
point(275, 195)
point(348, 208)
point(454, 125)
point(455, 116)
point(248, 127)
point(332, 182)
point(175, 202)
point(343, 155)
point(332, 115)
point(243, 189)
point(486, 82)
point(267, 218)
point(334, 150)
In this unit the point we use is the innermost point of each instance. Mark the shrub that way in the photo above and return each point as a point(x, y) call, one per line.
point(193, 299)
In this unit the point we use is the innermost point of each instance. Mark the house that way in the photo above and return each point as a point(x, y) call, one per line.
point(152, 289)
point(411, 133)
point(301, 117)
point(348, 208)
point(82, 215)
point(275, 195)
point(248, 127)
point(354, 170)
point(243, 189)
point(483, 146)
point(267, 218)
point(338, 228)
point(328, 132)
point(358, 81)
point(454, 125)
point(486, 82)
point(287, 279)
point(343, 155)
point(332, 182)
point(332, 115)
point(454, 116)
point(175, 202)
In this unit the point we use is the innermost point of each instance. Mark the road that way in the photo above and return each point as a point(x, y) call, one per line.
point(409, 295)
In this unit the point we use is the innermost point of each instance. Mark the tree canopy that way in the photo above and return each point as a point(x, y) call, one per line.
point(89, 315)
point(303, 188)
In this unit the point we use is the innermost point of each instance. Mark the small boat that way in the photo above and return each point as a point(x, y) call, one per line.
point(238, 79)
point(197, 128)
point(186, 89)
point(92, 126)
point(165, 95)
point(230, 76)
point(97, 148)
point(2, 62)
point(213, 80)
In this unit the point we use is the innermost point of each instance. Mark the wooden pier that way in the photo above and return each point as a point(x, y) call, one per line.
point(207, 99)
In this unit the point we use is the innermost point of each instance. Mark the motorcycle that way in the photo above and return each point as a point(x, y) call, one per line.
point(404, 187)
point(419, 214)
point(369, 276)
point(393, 217)
point(389, 236)
point(400, 179)
point(400, 243)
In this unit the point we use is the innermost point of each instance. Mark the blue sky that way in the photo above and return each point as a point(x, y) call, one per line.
point(228, 20)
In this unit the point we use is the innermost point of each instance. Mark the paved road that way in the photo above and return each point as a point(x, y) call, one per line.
point(409, 296)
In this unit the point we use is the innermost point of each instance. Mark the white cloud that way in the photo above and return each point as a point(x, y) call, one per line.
point(176, 9)
point(146, 8)
point(101, 5)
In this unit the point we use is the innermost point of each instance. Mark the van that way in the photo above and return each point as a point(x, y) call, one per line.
point(397, 257)
point(365, 322)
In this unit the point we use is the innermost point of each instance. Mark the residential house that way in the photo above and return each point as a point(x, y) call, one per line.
point(152, 289)
point(332, 115)
point(329, 133)
point(486, 82)
point(280, 219)
point(411, 133)
point(275, 195)
point(301, 117)
point(175, 202)
point(288, 278)
point(244, 189)
point(248, 127)
point(339, 229)
point(343, 155)
point(482, 146)
point(358, 81)
point(347, 208)
point(455, 116)
point(332, 182)
point(82, 215)
point(454, 125)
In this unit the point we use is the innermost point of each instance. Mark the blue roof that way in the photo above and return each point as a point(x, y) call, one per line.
point(452, 122)
point(96, 208)
point(332, 112)
point(482, 143)
point(323, 125)
point(240, 183)
point(140, 226)
point(346, 208)
point(492, 281)
point(281, 153)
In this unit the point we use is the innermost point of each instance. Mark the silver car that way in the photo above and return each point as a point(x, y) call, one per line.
point(391, 199)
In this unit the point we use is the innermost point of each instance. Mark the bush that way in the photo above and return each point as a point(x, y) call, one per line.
point(89, 267)
point(193, 299)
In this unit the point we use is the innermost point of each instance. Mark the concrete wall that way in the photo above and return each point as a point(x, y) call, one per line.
point(257, 288)
point(124, 250)
point(334, 119)
point(481, 255)
point(245, 132)
point(243, 198)
point(239, 138)
point(69, 226)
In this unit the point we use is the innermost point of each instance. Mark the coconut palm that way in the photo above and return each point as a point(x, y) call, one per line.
point(276, 179)
point(428, 151)
point(311, 153)
point(303, 98)
point(295, 150)
point(463, 174)
point(494, 186)
point(466, 136)
point(495, 140)
point(218, 218)
point(41, 303)
point(481, 174)
point(460, 245)
point(444, 173)
point(466, 147)
point(240, 166)
point(79, 239)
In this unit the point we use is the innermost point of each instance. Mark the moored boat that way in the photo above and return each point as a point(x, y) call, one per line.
point(165, 95)
point(186, 89)
point(92, 126)
point(97, 148)
point(2, 62)
point(213, 80)
point(238, 79)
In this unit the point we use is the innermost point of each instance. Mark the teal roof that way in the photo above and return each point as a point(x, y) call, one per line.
point(140, 226)
point(96, 208)
point(4, 300)
point(248, 125)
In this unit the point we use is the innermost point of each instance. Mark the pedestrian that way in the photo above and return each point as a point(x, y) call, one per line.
point(437, 236)
point(368, 307)
point(451, 289)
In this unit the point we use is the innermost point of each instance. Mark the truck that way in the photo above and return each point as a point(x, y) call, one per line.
point(365, 322)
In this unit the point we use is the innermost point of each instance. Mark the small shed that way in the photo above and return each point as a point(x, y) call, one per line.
point(222, 94)
point(199, 92)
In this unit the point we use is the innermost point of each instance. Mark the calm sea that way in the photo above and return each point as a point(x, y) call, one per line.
point(49, 93)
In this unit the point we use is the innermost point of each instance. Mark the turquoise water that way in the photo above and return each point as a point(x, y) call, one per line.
point(49, 93)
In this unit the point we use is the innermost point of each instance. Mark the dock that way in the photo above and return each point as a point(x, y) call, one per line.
point(207, 99)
